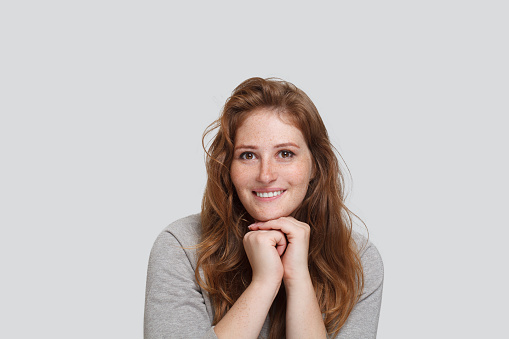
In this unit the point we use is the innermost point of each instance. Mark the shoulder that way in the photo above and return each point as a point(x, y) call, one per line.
point(181, 236)
point(372, 264)
point(186, 230)
point(362, 321)
point(175, 304)
point(368, 253)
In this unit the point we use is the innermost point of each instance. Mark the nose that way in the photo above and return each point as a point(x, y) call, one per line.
point(267, 172)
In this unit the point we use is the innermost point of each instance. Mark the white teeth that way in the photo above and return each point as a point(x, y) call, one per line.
point(268, 194)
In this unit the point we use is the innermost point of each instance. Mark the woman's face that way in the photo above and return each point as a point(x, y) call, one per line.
point(272, 165)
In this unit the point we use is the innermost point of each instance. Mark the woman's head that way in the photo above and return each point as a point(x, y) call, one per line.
point(255, 115)
point(271, 166)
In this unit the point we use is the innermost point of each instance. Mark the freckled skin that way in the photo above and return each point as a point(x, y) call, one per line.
point(266, 165)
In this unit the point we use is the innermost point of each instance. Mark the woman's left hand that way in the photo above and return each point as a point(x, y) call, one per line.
point(295, 257)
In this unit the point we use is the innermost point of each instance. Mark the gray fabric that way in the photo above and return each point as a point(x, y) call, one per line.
point(176, 306)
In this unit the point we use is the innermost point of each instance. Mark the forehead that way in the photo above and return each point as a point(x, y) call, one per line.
point(268, 124)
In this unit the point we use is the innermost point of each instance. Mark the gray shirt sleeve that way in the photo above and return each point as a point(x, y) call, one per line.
point(174, 304)
point(363, 320)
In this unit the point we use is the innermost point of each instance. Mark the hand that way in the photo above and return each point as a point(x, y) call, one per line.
point(295, 258)
point(263, 249)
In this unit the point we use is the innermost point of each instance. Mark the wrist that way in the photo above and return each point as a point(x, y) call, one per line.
point(271, 278)
point(265, 287)
point(298, 283)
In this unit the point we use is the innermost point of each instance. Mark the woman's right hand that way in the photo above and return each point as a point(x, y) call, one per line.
point(264, 250)
point(247, 315)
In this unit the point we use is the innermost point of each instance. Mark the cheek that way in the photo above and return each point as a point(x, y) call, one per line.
point(301, 175)
point(237, 177)
point(234, 177)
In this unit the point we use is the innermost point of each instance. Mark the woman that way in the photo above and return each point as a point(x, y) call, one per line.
point(272, 254)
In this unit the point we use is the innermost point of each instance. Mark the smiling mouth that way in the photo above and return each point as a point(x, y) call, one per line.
point(268, 194)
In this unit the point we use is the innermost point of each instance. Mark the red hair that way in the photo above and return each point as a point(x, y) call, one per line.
point(334, 264)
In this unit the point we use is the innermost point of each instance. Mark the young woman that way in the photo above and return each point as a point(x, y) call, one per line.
point(272, 254)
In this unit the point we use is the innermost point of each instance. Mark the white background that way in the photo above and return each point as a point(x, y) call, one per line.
point(103, 104)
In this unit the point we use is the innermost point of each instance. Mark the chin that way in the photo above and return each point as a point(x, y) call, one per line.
point(269, 216)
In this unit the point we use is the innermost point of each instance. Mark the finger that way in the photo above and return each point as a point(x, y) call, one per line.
point(254, 227)
point(273, 238)
point(286, 225)
point(280, 243)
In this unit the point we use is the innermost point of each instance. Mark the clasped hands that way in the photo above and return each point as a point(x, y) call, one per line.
point(278, 250)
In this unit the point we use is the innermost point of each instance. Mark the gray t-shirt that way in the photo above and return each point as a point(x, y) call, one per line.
point(176, 306)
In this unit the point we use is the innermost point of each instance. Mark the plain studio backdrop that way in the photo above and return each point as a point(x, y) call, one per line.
point(103, 105)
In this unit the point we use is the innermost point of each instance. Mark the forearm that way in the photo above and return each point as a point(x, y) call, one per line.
point(246, 317)
point(303, 315)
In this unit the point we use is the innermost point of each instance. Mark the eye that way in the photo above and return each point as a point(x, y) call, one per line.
point(247, 156)
point(286, 154)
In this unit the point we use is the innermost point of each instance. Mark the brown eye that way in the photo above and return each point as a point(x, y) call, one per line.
point(286, 154)
point(247, 156)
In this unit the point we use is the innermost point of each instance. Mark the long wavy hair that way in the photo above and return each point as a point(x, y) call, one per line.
point(334, 264)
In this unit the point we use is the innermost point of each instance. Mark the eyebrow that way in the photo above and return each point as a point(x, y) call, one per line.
point(286, 144)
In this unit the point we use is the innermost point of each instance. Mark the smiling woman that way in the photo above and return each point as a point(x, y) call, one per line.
point(272, 253)
point(271, 166)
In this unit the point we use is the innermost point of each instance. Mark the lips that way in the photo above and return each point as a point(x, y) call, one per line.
point(268, 194)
